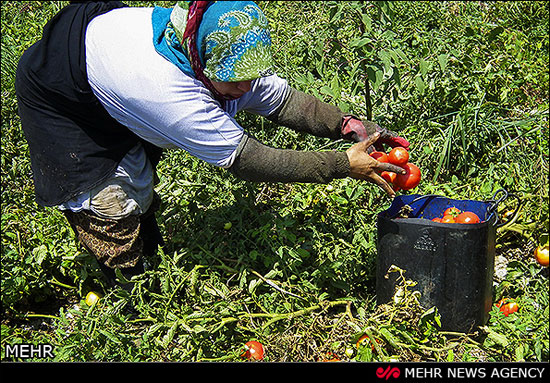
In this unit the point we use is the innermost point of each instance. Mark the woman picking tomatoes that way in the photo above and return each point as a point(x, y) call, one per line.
point(108, 87)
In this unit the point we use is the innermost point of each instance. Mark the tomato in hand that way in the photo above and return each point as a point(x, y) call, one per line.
point(379, 156)
point(388, 176)
point(467, 217)
point(253, 350)
point(410, 179)
point(398, 156)
point(452, 211)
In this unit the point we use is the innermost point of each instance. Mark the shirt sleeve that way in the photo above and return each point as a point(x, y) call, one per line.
point(266, 95)
point(150, 95)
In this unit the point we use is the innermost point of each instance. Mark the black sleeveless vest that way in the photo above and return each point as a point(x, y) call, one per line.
point(74, 143)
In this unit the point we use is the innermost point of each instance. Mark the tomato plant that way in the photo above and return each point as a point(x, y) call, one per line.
point(467, 217)
point(253, 350)
point(410, 179)
point(398, 156)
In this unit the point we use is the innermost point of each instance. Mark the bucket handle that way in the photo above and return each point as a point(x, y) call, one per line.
point(493, 207)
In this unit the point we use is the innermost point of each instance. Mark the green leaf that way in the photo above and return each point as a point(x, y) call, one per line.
point(328, 91)
point(424, 66)
point(519, 353)
point(375, 76)
point(496, 337)
point(110, 336)
point(359, 42)
point(389, 337)
point(367, 22)
point(494, 33)
point(39, 253)
point(121, 277)
point(386, 60)
point(335, 86)
point(401, 55)
point(443, 59)
point(420, 84)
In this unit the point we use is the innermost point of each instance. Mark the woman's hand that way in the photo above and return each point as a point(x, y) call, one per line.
point(364, 167)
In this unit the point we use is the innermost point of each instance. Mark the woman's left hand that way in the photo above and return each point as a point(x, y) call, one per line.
point(365, 167)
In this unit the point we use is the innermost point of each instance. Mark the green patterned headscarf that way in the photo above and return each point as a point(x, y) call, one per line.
point(233, 40)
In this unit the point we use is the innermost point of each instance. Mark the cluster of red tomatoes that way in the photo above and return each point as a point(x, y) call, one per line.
point(399, 156)
point(455, 215)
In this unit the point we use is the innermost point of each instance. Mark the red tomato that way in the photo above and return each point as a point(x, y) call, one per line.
point(253, 350)
point(436, 219)
point(398, 156)
point(410, 179)
point(388, 176)
point(541, 255)
point(452, 211)
point(467, 217)
point(512, 307)
point(448, 219)
point(331, 358)
point(379, 156)
point(507, 308)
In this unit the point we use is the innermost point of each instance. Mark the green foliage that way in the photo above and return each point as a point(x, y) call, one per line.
point(465, 82)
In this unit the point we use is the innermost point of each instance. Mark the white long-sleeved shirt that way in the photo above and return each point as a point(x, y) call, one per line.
point(161, 104)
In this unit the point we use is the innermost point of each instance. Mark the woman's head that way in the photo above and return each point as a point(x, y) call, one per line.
point(233, 89)
point(233, 42)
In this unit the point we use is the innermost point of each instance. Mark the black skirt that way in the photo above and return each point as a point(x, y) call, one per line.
point(74, 143)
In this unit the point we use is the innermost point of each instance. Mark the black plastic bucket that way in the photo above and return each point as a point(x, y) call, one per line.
point(453, 264)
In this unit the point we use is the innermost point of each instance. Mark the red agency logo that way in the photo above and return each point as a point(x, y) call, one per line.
point(388, 372)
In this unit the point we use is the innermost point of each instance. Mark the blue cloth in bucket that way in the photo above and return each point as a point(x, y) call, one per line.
point(432, 206)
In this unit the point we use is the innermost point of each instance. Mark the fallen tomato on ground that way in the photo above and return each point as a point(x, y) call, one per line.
point(506, 307)
point(331, 358)
point(253, 350)
point(92, 298)
point(541, 255)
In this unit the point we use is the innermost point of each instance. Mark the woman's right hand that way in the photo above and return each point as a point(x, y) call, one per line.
point(365, 167)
